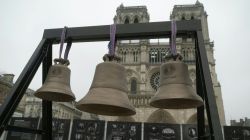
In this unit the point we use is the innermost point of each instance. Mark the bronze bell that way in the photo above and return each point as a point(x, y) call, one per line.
point(175, 90)
point(57, 84)
point(108, 92)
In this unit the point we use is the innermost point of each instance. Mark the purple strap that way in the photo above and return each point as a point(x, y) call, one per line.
point(69, 43)
point(173, 37)
point(62, 41)
point(66, 53)
point(112, 42)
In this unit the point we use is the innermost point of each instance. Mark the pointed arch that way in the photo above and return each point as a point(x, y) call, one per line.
point(126, 21)
point(193, 119)
point(133, 86)
point(161, 116)
point(136, 20)
point(125, 119)
point(183, 17)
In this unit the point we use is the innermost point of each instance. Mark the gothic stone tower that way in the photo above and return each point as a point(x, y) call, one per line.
point(6, 83)
point(142, 60)
point(186, 46)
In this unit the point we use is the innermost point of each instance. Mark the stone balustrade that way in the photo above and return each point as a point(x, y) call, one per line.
point(140, 100)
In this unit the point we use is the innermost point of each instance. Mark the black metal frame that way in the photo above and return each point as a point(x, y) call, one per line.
point(43, 53)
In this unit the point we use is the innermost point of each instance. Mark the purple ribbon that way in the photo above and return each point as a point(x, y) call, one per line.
point(69, 43)
point(112, 42)
point(62, 41)
point(66, 53)
point(173, 37)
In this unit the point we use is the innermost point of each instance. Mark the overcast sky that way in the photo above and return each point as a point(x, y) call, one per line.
point(22, 23)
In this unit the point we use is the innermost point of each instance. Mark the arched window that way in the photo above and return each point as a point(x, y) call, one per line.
point(124, 56)
point(188, 54)
point(161, 116)
point(133, 87)
point(183, 17)
point(135, 55)
point(184, 54)
point(155, 80)
point(157, 55)
point(126, 21)
point(136, 20)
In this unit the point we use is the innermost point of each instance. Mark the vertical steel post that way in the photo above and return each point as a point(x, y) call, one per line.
point(200, 92)
point(47, 105)
point(211, 106)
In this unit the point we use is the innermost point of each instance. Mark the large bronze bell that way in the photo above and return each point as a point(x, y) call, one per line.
point(175, 90)
point(108, 92)
point(57, 84)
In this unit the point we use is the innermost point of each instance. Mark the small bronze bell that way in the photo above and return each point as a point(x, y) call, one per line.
point(57, 84)
point(175, 90)
point(108, 92)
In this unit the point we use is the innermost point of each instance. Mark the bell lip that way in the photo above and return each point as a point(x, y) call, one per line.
point(104, 104)
point(174, 100)
point(110, 62)
point(176, 103)
point(176, 62)
point(107, 110)
point(57, 97)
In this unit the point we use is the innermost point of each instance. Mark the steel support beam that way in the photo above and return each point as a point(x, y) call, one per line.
point(200, 92)
point(123, 31)
point(47, 105)
point(17, 91)
point(206, 80)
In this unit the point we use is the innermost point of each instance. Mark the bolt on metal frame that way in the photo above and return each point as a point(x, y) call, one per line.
point(43, 54)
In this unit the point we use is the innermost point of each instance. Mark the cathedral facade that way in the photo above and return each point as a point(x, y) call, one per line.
point(142, 60)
